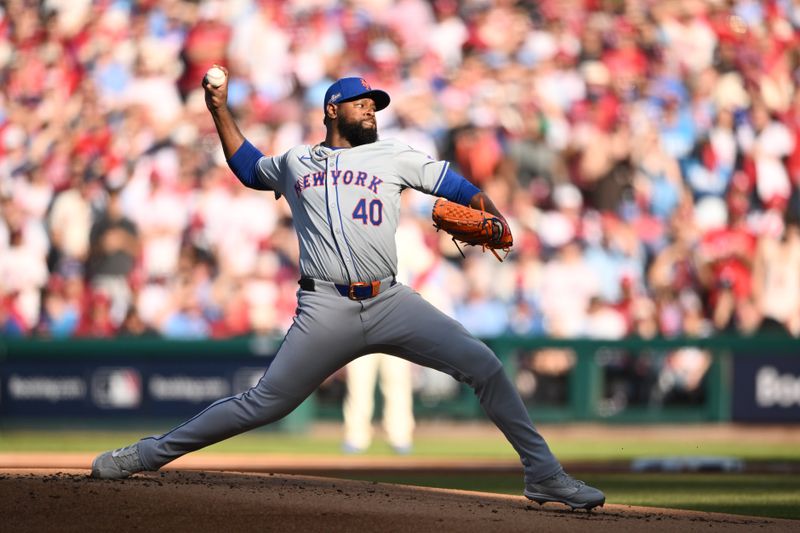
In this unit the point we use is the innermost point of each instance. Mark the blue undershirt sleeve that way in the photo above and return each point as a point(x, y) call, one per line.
point(456, 188)
point(244, 163)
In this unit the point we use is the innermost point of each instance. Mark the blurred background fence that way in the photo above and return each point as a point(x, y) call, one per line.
point(113, 382)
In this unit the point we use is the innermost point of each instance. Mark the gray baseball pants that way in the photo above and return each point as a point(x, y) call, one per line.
point(328, 332)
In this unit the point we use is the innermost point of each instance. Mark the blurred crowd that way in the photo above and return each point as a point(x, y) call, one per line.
point(646, 153)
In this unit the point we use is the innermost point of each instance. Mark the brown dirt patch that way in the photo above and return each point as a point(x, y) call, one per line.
point(46, 500)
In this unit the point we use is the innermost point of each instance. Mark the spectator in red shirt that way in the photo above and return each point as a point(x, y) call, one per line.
point(206, 44)
point(96, 319)
point(725, 257)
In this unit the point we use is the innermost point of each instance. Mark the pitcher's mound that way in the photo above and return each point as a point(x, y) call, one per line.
point(47, 500)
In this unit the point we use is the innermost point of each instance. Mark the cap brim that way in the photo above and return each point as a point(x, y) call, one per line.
point(381, 98)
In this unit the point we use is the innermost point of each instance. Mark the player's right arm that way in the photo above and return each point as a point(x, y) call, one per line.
point(217, 103)
point(244, 159)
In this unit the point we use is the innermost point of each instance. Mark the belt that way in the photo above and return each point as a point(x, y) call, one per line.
point(359, 290)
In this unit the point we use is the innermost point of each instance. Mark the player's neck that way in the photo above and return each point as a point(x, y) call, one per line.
point(334, 140)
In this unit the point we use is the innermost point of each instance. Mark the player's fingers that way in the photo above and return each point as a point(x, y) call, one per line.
point(206, 85)
point(211, 93)
point(210, 89)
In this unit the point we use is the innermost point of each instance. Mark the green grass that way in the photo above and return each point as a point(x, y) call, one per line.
point(773, 495)
point(458, 446)
point(631, 448)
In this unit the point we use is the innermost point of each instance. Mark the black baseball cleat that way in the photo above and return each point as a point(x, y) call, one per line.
point(563, 488)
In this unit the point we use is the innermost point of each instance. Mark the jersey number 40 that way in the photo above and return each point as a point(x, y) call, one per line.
point(373, 214)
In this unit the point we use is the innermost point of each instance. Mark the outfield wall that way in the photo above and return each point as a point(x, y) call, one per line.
point(721, 379)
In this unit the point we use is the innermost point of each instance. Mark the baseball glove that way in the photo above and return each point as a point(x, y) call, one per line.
point(473, 227)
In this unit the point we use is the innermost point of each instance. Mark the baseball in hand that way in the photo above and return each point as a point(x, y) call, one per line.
point(215, 76)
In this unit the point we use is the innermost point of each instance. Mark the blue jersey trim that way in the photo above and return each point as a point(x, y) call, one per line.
point(341, 225)
point(244, 163)
point(201, 413)
point(438, 183)
point(457, 188)
point(330, 221)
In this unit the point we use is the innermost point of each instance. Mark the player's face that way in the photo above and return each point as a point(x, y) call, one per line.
point(357, 122)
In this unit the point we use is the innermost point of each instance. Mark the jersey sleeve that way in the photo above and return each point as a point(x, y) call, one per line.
point(270, 171)
point(419, 171)
point(257, 171)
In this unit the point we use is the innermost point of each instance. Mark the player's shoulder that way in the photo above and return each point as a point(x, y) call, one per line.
point(299, 150)
point(394, 146)
point(391, 143)
point(301, 154)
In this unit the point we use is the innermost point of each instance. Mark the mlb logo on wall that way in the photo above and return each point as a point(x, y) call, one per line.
point(117, 388)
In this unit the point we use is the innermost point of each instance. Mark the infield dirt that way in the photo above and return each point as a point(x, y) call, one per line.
point(68, 500)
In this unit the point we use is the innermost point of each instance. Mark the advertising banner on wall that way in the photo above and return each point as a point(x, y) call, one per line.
point(94, 389)
point(766, 388)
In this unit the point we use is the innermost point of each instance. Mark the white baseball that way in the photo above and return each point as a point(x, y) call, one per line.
point(215, 76)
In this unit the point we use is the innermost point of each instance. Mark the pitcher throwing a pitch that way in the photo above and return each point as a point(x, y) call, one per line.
point(344, 194)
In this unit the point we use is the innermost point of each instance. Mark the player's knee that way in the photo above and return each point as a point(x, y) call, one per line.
point(489, 373)
point(486, 360)
point(480, 366)
point(490, 383)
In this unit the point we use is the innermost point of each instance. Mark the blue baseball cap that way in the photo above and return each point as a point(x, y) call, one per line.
point(346, 89)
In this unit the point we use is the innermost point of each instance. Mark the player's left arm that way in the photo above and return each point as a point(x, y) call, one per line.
point(439, 179)
point(458, 189)
point(480, 200)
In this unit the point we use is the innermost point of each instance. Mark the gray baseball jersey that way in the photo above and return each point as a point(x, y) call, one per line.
point(345, 205)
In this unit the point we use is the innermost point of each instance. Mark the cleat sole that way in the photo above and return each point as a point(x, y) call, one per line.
point(588, 506)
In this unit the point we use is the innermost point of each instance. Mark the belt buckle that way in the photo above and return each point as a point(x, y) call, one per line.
point(351, 292)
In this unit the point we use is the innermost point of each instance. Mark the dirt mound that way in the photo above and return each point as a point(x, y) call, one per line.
point(47, 500)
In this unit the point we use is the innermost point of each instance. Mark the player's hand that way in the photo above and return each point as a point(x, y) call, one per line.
point(216, 97)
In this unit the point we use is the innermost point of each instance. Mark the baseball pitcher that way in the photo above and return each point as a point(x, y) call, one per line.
point(344, 194)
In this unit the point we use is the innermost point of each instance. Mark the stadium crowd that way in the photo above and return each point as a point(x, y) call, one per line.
point(646, 153)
